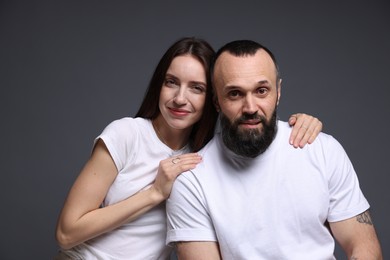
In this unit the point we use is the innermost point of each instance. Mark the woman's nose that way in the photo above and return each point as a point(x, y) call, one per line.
point(180, 97)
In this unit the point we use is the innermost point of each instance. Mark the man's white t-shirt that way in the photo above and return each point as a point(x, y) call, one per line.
point(270, 207)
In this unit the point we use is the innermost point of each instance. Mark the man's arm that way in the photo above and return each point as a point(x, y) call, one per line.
point(357, 237)
point(198, 251)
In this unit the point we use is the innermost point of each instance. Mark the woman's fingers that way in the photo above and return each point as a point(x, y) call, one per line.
point(305, 129)
point(181, 163)
point(170, 168)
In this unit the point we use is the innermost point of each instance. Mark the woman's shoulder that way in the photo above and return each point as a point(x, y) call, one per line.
point(123, 136)
point(126, 128)
point(127, 123)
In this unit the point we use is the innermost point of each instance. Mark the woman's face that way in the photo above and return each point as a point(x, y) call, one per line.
point(183, 93)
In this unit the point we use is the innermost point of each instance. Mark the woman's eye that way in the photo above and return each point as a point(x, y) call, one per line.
point(198, 88)
point(170, 82)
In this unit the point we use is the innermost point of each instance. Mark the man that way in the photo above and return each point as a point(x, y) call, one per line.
point(254, 196)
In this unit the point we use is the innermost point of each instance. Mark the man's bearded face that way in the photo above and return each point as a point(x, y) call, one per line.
point(248, 142)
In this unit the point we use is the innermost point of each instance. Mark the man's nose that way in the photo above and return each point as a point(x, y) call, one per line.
point(249, 105)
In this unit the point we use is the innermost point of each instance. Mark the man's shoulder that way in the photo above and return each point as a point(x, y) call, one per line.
point(284, 129)
point(210, 157)
point(210, 146)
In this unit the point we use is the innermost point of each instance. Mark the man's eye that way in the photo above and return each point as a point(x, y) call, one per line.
point(234, 93)
point(262, 91)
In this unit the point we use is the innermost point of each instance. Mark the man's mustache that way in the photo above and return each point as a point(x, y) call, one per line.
point(246, 116)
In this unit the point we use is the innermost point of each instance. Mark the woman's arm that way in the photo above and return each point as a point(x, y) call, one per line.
point(305, 129)
point(82, 218)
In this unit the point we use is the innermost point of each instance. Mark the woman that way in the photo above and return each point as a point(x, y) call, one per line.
point(116, 209)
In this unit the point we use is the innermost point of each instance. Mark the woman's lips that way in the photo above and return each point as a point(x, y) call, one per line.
point(179, 112)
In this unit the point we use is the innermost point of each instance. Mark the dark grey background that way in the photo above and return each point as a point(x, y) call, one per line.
point(68, 68)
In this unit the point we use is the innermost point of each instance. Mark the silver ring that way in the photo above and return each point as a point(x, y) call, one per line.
point(175, 160)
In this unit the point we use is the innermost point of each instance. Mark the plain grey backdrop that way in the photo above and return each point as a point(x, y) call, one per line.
point(68, 68)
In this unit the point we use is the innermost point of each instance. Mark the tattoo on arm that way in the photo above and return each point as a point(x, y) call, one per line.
point(364, 218)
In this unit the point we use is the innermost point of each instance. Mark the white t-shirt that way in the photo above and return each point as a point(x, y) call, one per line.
point(270, 207)
point(137, 152)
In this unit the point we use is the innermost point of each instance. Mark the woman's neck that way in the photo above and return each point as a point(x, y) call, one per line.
point(173, 138)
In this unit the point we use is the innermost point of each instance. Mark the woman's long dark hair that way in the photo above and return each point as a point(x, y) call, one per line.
point(203, 130)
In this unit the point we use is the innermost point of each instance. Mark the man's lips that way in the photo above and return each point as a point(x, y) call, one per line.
point(252, 123)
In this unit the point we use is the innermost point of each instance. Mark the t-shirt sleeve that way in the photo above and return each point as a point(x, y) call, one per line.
point(187, 214)
point(346, 198)
point(119, 139)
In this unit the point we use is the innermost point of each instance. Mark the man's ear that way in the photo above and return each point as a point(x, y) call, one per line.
point(279, 88)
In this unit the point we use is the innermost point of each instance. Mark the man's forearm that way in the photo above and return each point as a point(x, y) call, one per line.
point(198, 251)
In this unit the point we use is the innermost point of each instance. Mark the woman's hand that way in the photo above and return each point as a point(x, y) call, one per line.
point(305, 129)
point(170, 168)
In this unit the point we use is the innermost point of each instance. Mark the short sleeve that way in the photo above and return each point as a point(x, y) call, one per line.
point(346, 197)
point(187, 214)
point(119, 139)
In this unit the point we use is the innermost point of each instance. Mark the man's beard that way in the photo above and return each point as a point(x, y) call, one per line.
point(248, 142)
